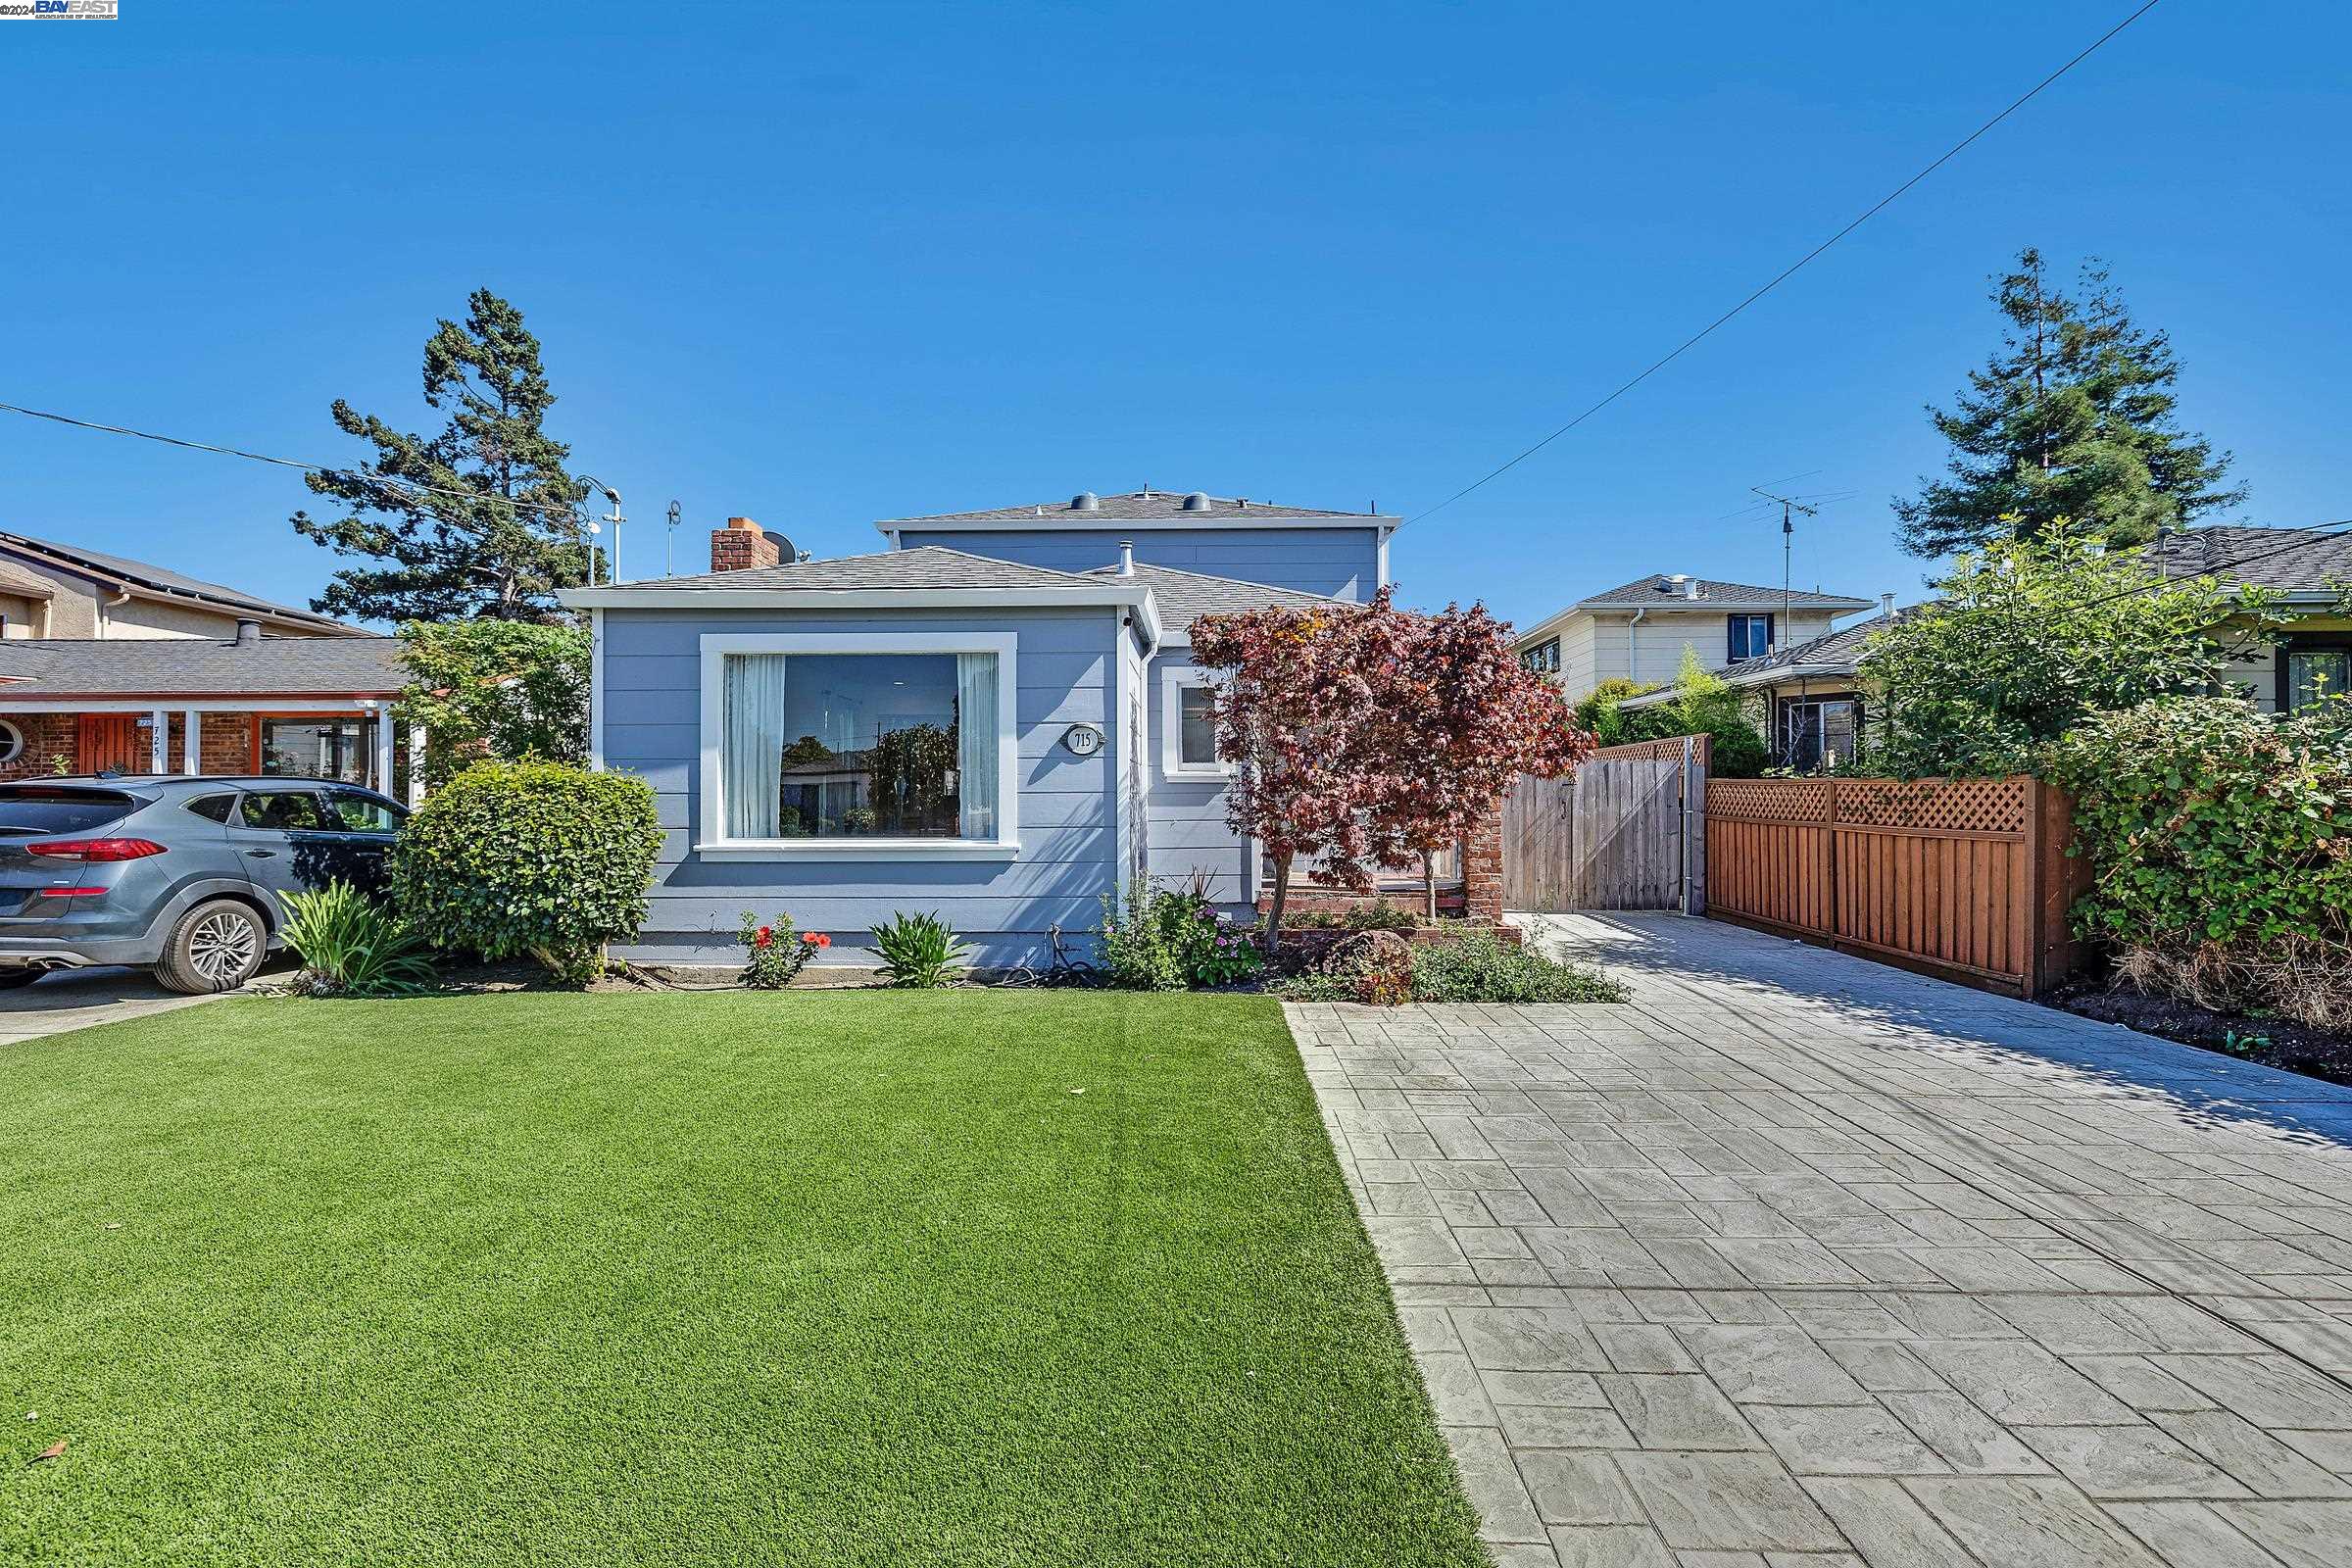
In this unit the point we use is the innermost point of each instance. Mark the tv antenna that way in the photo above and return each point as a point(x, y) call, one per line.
point(669, 548)
point(1790, 507)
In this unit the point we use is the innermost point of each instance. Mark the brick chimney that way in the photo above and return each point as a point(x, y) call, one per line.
point(739, 546)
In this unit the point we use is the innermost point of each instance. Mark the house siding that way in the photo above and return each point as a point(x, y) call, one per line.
point(1342, 562)
point(1186, 818)
point(1070, 828)
point(1651, 651)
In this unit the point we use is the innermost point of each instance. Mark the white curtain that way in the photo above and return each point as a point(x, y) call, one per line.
point(751, 752)
point(976, 744)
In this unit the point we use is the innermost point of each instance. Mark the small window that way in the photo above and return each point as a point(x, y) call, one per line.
point(1751, 637)
point(356, 813)
point(214, 807)
point(2317, 675)
point(1543, 659)
point(11, 742)
point(282, 811)
point(1197, 737)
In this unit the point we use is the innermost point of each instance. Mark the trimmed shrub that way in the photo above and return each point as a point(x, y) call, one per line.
point(350, 946)
point(542, 859)
point(2221, 849)
point(919, 951)
point(1482, 967)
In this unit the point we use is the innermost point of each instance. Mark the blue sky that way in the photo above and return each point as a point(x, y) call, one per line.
point(823, 263)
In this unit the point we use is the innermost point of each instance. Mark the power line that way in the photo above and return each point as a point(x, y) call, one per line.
point(1795, 267)
point(403, 486)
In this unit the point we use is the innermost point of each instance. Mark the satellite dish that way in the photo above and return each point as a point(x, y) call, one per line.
point(785, 554)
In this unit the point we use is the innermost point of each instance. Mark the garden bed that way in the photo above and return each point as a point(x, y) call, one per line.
point(2270, 1042)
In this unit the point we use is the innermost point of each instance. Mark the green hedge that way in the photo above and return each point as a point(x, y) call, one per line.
point(543, 859)
point(2206, 822)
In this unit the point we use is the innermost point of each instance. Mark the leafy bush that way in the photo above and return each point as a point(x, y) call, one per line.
point(2221, 849)
point(509, 859)
point(774, 954)
point(1477, 967)
point(495, 689)
point(1165, 940)
point(1703, 703)
point(919, 951)
point(1377, 915)
point(1482, 967)
point(351, 947)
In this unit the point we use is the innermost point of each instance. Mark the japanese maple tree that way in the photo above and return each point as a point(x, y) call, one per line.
point(1458, 718)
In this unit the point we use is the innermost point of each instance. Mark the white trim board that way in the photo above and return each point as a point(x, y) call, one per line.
point(1172, 765)
point(1065, 521)
point(711, 806)
point(181, 704)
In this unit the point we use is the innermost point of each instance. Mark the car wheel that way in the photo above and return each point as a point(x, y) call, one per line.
point(214, 946)
point(10, 979)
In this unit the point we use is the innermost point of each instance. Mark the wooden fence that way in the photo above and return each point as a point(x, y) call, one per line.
point(1622, 834)
point(1968, 879)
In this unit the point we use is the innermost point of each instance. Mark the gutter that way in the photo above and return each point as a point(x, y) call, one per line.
point(1137, 597)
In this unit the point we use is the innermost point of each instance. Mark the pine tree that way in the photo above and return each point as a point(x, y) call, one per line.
point(2072, 417)
point(480, 521)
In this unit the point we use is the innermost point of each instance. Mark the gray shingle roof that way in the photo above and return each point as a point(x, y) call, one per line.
point(189, 666)
point(1139, 505)
point(2292, 561)
point(165, 580)
point(1186, 596)
point(927, 566)
point(1646, 591)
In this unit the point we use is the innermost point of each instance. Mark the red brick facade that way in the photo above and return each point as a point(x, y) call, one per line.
point(47, 737)
point(740, 545)
point(1482, 871)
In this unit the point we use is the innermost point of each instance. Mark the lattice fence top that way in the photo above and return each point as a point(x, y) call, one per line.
point(1768, 799)
point(1931, 806)
point(1668, 750)
point(1952, 805)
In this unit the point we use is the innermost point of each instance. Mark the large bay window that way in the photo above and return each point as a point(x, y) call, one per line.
point(855, 746)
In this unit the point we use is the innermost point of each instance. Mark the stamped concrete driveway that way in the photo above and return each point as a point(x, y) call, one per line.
point(1800, 1260)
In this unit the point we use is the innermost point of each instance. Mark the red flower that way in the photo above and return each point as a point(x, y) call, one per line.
point(764, 937)
point(813, 939)
point(824, 941)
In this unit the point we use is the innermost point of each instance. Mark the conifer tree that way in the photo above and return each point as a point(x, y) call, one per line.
point(479, 521)
point(2072, 417)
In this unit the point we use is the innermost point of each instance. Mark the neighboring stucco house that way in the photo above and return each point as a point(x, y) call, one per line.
point(111, 663)
point(997, 719)
point(1809, 701)
point(1639, 630)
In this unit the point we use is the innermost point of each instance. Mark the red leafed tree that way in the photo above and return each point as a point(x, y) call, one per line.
point(1370, 736)
point(1458, 720)
point(1293, 713)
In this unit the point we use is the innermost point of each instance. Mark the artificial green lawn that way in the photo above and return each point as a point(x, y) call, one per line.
point(733, 1278)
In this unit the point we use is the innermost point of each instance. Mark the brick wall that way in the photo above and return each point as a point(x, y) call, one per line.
point(46, 736)
point(740, 545)
point(1482, 871)
point(223, 745)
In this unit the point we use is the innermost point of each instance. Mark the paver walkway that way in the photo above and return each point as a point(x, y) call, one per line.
point(1802, 1261)
point(76, 998)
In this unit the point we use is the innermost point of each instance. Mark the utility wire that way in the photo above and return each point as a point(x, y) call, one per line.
point(1793, 268)
point(404, 486)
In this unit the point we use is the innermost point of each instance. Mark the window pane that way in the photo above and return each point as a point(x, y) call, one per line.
point(316, 748)
point(354, 812)
point(214, 807)
point(860, 745)
point(2312, 677)
point(282, 811)
point(1198, 737)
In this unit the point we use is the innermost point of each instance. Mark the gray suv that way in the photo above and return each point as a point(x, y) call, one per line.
point(173, 872)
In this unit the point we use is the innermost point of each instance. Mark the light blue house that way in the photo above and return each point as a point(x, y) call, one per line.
point(996, 718)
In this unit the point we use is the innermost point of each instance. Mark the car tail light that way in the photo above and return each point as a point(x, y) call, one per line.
point(69, 892)
point(95, 849)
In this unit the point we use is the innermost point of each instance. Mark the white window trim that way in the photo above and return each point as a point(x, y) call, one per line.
point(715, 646)
point(11, 742)
point(1172, 765)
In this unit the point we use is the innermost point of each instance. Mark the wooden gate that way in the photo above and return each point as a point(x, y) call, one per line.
point(118, 741)
point(1967, 879)
point(1622, 834)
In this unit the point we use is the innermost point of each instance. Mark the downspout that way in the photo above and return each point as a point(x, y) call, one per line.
point(121, 597)
point(1632, 641)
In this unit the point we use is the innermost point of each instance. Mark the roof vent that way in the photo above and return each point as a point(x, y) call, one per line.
point(1086, 501)
point(1197, 500)
point(249, 633)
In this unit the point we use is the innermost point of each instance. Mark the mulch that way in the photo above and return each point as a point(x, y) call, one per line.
point(2271, 1042)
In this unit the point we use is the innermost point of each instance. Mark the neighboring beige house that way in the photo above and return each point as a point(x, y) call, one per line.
point(1639, 630)
point(1811, 705)
point(49, 590)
